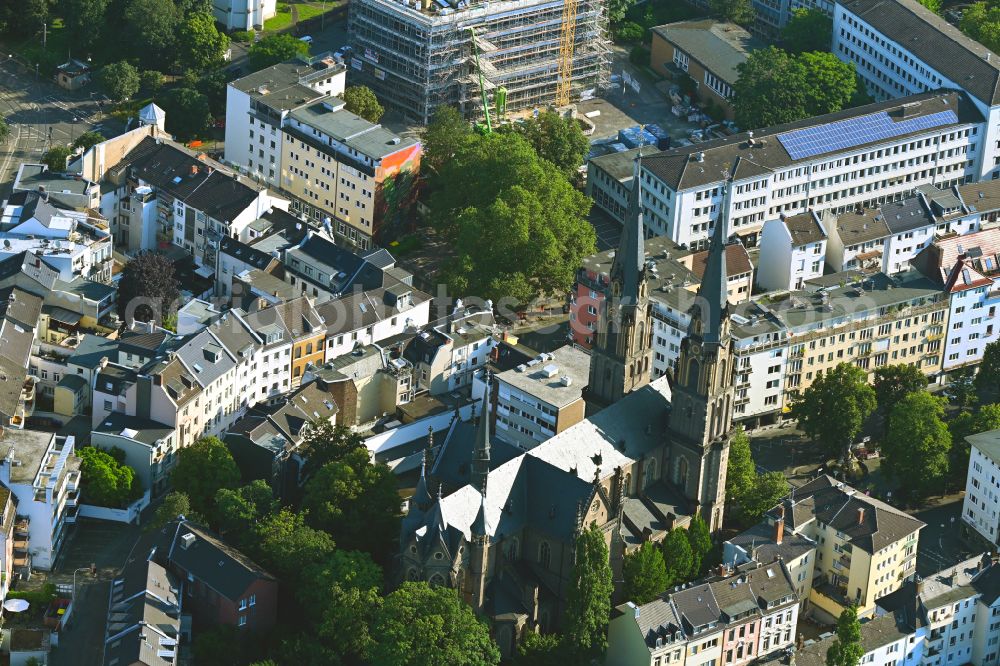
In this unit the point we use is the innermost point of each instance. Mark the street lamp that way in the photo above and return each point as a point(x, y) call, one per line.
point(93, 572)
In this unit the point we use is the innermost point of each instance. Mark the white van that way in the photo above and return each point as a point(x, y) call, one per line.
point(307, 39)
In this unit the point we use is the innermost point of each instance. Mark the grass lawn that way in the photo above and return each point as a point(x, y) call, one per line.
point(306, 10)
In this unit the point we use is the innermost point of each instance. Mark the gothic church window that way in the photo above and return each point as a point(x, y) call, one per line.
point(437, 580)
point(544, 554)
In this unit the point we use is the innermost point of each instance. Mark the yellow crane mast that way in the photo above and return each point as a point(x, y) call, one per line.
point(567, 38)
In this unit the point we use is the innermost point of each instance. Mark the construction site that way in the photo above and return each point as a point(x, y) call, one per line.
point(483, 58)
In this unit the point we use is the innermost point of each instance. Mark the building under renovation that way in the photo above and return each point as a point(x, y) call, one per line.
point(419, 54)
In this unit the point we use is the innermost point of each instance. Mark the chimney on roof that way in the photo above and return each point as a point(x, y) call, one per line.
point(194, 169)
point(920, 585)
point(861, 515)
point(779, 526)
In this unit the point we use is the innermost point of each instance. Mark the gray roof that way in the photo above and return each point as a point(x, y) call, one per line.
point(214, 562)
point(861, 227)
point(935, 42)
point(718, 47)
point(875, 633)
point(205, 357)
point(28, 447)
point(621, 166)
point(804, 229)
point(145, 431)
point(907, 215)
point(272, 84)
point(353, 131)
point(678, 168)
point(92, 349)
point(86, 289)
point(568, 361)
point(988, 444)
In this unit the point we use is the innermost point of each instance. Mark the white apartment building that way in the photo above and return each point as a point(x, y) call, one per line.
point(792, 251)
point(982, 486)
point(901, 48)
point(257, 105)
point(369, 317)
point(42, 471)
point(243, 14)
point(446, 355)
point(861, 156)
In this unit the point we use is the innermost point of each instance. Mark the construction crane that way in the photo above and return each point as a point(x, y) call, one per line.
point(488, 127)
point(567, 39)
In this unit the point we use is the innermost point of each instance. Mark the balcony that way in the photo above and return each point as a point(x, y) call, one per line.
point(73, 498)
point(22, 525)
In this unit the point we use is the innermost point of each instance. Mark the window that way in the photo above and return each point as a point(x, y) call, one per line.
point(243, 620)
point(544, 554)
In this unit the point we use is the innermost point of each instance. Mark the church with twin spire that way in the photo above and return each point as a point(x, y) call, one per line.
point(654, 455)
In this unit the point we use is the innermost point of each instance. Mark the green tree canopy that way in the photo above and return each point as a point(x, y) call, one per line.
point(151, 29)
point(834, 407)
point(807, 30)
point(420, 625)
point(444, 136)
point(645, 574)
point(84, 19)
point(933, 5)
point(287, 547)
point(88, 140)
point(917, 443)
point(677, 556)
point(846, 649)
point(700, 539)
point(150, 81)
point(741, 470)
point(120, 80)
point(356, 501)
point(963, 388)
point(740, 12)
point(325, 443)
point(556, 139)
point(148, 280)
point(200, 45)
point(188, 112)
point(768, 489)
point(616, 9)
point(362, 101)
point(238, 511)
point(519, 228)
point(55, 158)
point(775, 87)
point(894, 382)
point(202, 470)
point(274, 49)
point(541, 650)
point(174, 504)
point(106, 481)
point(988, 377)
point(588, 601)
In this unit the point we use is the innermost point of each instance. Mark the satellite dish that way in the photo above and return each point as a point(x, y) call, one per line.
point(16, 605)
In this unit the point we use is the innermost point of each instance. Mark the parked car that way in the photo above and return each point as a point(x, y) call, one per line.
point(306, 38)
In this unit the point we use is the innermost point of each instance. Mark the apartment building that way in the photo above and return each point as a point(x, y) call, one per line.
point(734, 620)
point(708, 51)
point(76, 244)
point(982, 486)
point(863, 549)
point(148, 447)
point(351, 175)
point(144, 614)
point(63, 190)
point(366, 384)
point(900, 48)
point(858, 157)
point(609, 180)
point(257, 105)
point(369, 317)
point(792, 251)
point(243, 14)
point(445, 355)
point(541, 398)
point(42, 472)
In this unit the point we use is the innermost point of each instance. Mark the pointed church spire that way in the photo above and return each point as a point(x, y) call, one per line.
point(713, 295)
point(629, 263)
point(481, 446)
point(480, 527)
point(422, 499)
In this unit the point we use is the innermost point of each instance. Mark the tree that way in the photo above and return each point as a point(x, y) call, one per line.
point(645, 574)
point(767, 491)
point(188, 113)
point(616, 9)
point(174, 504)
point(541, 650)
point(963, 388)
point(981, 21)
point(444, 136)
point(988, 378)
point(200, 45)
point(846, 649)
point(151, 26)
point(917, 443)
point(202, 469)
point(701, 543)
point(286, 546)
point(834, 407)
point(238, 511)
point(588, 601)
point(741, 470)
point(518, 227)
point(151, 81)
point(356, 501)
point(120, 80)
point(25, 17)
point(556, 139)
point(807, 30)
point(148, 289)
point(933, 5)
point(274, 49)
point(88, 140)
point(84, 19)
point(420, 625)
point(361, 100)
point(55, 158)
point(677, 556)
point(106, 481)
point(222, 645)
point(775, 87)
point(740, 12)
point(325, 443)
point(894, 382)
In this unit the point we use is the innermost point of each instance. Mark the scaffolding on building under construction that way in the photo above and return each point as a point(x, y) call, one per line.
point(417, 55)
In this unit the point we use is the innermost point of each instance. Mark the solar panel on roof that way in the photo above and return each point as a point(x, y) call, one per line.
point(844, 134)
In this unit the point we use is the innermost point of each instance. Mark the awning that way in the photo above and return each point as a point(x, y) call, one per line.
point(62, 315)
